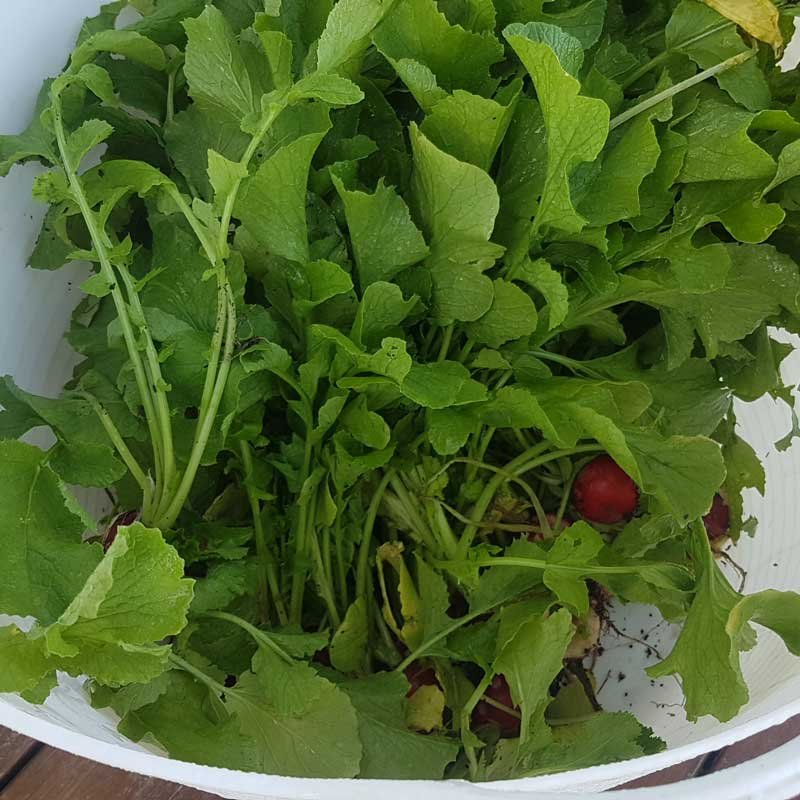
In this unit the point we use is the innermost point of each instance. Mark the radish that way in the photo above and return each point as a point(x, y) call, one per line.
point(488, 714)
point(718, 519)
point(419, 676)
point(605, 493)
point(128, 518)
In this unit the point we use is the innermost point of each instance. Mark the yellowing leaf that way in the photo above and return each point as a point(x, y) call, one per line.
point(758, 17)
point(425, 709)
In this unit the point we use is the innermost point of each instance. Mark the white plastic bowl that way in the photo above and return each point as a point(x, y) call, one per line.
point(35, 38)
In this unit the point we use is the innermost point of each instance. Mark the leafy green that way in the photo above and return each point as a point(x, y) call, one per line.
point(371, 283)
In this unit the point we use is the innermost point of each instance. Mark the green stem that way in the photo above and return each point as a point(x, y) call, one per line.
point(362, 569)
point(208, 417)
point(124, 452)
point(323, 584)
point(197, 673)
point(170, 112)
point(569, 363)
point(535, 563)
point(341, 567)
point(300, 542)
point(153, 367)
point(447, 338)
point(526, 461)
point(654, 62)
point(260, 636)
point(650, 102)
point(418, 525)
point(466, 718)
point(665, 55)
point(466, 350)
point(267, 575)
point(98, 243)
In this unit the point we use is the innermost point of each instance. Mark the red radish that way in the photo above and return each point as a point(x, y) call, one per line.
point(718, 519)
point(128, 518)
point(488, 714)
point(605, 493)
point(419, 676)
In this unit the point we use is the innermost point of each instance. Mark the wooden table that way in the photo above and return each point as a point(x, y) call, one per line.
point(32, 771)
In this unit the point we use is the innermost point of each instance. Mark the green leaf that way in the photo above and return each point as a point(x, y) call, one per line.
point(347, 31)
point(457, 204)
point(42, 528)
point(391, 750)
point(272, 204)
point(36, 142)
point(576, 126)
point(704, 655)
point(614, 192)
point(25, 660)
point(366, 426)
point(385, 240)
point(469, 127)
point(579, 544)
point(380, 313)
point(178, 719)
point(323, 281)
point(441, 385)
point(302, 724)
point(530, 662)
point(126, 43)
point(719, 148)
point(775, 610)
point(224, 176)
point(539, 275)
point(330, 89)
point(702, 34)
point(683, 472)
point(604, 738)
point(349, 644)
point(81, 142)
point(197, 130)
point(458, 58)
point(137, 595)
point(449, 428)
point(215, 67)
point(512, 316)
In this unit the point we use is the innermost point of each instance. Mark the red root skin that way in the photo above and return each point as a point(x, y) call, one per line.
point(718, 519)
point(128, 518)
point(487, 714)
point(418, 676)
point(605, 493)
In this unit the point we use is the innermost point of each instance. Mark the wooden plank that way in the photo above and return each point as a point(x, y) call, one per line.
point(15, 750)
point(56, 774)
point(755, 746)
point(679, 772)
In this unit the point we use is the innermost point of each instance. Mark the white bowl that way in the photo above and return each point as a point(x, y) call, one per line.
point(34, 312)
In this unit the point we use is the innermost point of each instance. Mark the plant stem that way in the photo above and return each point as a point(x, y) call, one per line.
point(267, 575)
point(466, 717)
point(362, 568)
point(124, 452)
point(197, 673)
point(535, 563)
point(260, 636)
point(650, 102)
point(447, 338)
point(300, 541)
point(528, 460)
point(153, 367)
point(207, 420)
point(98, 240)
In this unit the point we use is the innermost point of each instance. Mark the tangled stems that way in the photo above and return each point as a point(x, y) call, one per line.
point(531, 459)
